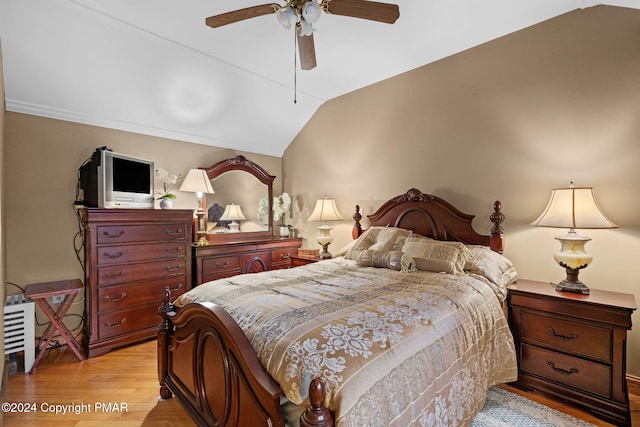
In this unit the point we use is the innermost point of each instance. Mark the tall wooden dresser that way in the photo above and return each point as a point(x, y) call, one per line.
point(131, 256)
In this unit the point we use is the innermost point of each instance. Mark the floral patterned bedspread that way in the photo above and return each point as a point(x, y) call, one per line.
point(394, 348)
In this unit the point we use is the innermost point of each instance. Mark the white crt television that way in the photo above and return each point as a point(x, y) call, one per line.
point(125, 182)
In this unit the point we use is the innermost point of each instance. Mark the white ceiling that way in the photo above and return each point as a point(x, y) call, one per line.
point(153, 67)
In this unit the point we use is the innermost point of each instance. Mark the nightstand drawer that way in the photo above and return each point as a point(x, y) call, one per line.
point(565, 335)
point(571, 371)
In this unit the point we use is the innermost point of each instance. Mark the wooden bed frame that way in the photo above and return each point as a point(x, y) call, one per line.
point(205, 359)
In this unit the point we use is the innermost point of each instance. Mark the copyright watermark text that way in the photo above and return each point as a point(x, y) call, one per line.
point(62, 409)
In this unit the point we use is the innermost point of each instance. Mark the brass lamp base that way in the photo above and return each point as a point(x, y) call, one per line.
point(572, 284)
point(324, 254)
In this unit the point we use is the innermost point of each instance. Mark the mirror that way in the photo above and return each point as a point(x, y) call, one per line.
point(240, 182)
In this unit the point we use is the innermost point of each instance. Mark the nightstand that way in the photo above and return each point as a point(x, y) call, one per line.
point(298, 260)
point(573, 346)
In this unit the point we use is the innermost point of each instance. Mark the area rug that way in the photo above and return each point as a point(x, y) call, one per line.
point(505, 409)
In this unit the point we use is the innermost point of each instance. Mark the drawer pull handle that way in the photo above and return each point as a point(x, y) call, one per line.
point(172, 269)
point(120, 298)
point(562, 371)
point(113, 276)
point(560, 336)
point(114, 236)
point(177, 288)
point(222, 265)
point(173, 233)
point(283, 256)
point(171, 251)
point(116, 325)
point(112, 256)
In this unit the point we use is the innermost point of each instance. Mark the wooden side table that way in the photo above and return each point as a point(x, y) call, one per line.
point(298, 260)
point(39, 292)
point(573, 346)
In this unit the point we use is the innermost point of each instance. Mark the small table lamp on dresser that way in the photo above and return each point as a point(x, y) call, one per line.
point(573, 207)
point(198, 182)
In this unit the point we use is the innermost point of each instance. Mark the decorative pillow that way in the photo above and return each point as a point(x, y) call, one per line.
point(437, 256)
point(394, 260)
point(495, 267)
point(377, 239)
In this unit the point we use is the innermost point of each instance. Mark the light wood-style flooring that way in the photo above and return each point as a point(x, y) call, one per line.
point(127, 380)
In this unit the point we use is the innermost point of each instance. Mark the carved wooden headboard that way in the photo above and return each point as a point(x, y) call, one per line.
point(433, 217)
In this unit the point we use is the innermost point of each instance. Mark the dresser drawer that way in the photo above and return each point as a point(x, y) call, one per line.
point(256, 262)
point(221, 265)
point(132, 294)
point(142, 252)
point(114, 274)
point(281, 258)
point(141, 233)
point(124, 321)
point(565, 335)
point(568, 370)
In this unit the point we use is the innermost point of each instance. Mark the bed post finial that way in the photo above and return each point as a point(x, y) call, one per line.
point(316, 415)
point(357, 228)
point(496, 238)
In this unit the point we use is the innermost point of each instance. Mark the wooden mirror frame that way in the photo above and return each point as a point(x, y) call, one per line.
point(240, 163)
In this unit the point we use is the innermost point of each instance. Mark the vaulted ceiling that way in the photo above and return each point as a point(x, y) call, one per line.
point(154, 67)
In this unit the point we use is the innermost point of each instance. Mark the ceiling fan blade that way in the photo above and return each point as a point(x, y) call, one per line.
point(240, 15)
point(307, 50)
point(372, 10)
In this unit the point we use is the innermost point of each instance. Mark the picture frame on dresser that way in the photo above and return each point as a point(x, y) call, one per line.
point(573, 346)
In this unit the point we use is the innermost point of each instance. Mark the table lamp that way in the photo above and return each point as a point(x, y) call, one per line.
point(573, 207)
point(325, 210)
point(198, 182)
point(233, 213)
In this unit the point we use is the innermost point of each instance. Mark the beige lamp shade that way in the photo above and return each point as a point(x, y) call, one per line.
point(197, 181)
point(325, 210)
point(573, 207)
point(232, 213)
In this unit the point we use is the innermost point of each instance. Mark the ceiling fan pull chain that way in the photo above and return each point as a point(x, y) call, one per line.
point(295, 68)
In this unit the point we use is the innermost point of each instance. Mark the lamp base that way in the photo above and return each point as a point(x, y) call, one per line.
point(324, 254)
point(572, 284)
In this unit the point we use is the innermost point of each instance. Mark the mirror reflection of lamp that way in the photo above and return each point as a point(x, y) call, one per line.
point(233, 213)
point(325, 210)
point(573, 207)
point(197, 181)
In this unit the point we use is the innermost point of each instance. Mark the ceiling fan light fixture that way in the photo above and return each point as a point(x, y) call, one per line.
point(311, 11)
point(286, 17)
point(305, 28)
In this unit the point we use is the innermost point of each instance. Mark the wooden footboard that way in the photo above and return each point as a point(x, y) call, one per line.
point(205, 359)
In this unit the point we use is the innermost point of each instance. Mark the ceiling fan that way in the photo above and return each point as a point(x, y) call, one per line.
point(302, 14)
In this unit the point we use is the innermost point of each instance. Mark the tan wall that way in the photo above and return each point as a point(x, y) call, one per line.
point(508, 120)
point(42, 157)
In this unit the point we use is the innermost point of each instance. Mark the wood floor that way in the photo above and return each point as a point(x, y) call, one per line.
point(121, 388)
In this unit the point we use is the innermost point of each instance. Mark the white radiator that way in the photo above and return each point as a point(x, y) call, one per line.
point(19, 331)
